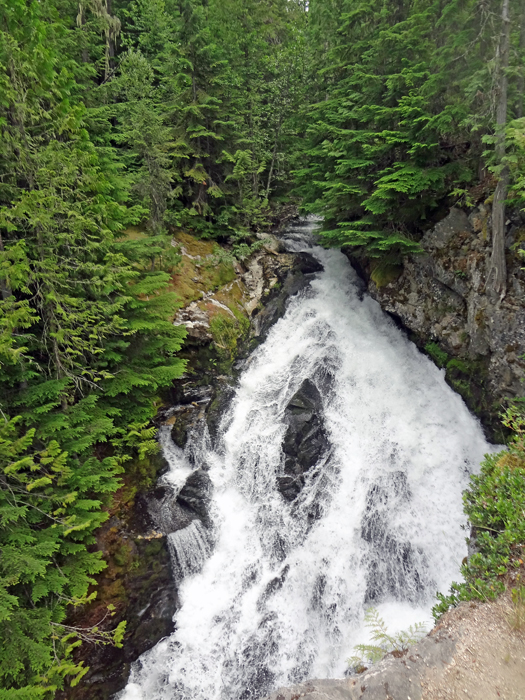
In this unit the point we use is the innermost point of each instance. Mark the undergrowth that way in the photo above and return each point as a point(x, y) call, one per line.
point(227, 331)
point(383, 642)
point(495, 506)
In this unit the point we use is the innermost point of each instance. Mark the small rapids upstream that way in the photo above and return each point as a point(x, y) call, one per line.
point(283, 585)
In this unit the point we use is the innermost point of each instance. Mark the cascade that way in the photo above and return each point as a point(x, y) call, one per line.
point(189, 549)
point(375, 519)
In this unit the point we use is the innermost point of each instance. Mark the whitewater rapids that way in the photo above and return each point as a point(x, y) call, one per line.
point(281, 595)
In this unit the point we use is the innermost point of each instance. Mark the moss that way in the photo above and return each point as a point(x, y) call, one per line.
point(385, 271)
point(231, 296)
point(439, 356)
point(461, 365)
point(194, 246)
point(123, 555)
point(200, 273)
point(462, 387)
point(154, 547)
point(215, 276)
point(134, 233)
point(186, 282)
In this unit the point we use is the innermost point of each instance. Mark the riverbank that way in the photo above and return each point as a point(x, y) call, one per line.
point(476, 652)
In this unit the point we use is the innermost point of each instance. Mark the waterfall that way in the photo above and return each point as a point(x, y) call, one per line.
point(189, 549)
point(282, 596)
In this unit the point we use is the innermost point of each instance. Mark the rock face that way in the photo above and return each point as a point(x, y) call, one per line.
point(305, 441)
point(140, 584)
point(262, 285)
point(441, 298)
point(391, 679)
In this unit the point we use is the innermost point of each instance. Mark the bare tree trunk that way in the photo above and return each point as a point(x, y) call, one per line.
point(110, 43)
point(497, 277)
point(521, 80)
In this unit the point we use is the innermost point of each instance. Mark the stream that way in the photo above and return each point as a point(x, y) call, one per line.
point(277, 591)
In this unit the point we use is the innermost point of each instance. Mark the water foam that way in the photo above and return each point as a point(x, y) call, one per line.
point(282, 597)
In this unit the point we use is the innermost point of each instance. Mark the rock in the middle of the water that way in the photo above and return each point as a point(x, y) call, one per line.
point(305, 441)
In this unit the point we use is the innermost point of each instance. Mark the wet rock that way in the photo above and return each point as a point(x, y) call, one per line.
point(291, 274)
point(185, 420)
point(167, 513)
point(307, 263)
point(171, 511)
point(148, 602)
point(196, 493)
point(186, 392)
point(223, 394)
point(305, 442)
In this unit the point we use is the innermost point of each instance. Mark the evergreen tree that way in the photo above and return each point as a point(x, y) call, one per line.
point(405, 100)
point(78, 337)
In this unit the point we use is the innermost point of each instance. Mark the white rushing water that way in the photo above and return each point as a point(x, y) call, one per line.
point(282, 595)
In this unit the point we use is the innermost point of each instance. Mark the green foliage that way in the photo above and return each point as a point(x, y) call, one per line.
point(403, 103)
point(188, 121)
point(439, 356)
point(206, 98)
point(383, 642)
point(48, 513)
point(494, 504)
point(227, 331)
point(86, 346)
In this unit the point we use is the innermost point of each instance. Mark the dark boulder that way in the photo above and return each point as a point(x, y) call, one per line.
point(305, 442)
point(292, 279)
point(170, 511)
point(221, 400)
point(186, 420)
point(307, 264)
point(166, 513)
point(196, 493)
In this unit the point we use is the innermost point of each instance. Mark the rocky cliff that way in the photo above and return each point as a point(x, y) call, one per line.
point(441, 298)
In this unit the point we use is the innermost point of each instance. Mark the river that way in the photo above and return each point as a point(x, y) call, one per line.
point(282, 590)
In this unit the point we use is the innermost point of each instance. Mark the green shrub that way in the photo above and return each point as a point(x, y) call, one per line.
point(495, 506)
point(227, 332)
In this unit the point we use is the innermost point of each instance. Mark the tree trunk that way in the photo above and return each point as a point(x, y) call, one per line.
point(497, 277)
point(111, 34)
point(521, 57)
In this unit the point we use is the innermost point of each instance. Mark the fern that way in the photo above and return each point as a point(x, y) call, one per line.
point(383, 642)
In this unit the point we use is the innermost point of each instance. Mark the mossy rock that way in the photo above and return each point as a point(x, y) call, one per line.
point(384, 272)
